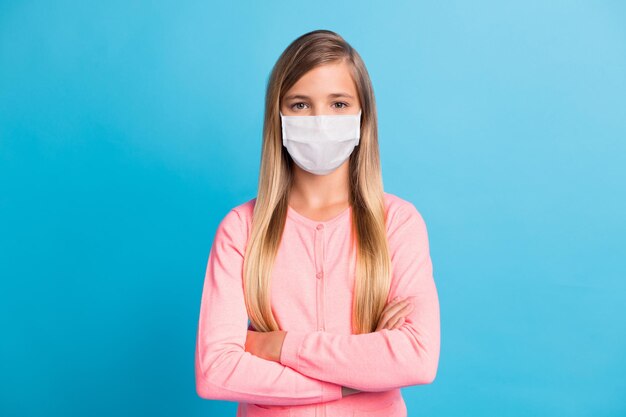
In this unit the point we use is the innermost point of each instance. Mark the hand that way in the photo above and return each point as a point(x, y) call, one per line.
point(394, 313)
point(266, 345)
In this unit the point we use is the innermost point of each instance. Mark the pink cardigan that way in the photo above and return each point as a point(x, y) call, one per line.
point(311, 297)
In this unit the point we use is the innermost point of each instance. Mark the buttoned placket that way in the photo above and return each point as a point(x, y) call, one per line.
point(319, 274)
point(320, 410)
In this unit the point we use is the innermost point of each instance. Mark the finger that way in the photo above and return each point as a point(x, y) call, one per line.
point(398, 324)
point(398, 303)
point(392, 322)
point(382, 321)
point(391, 310)
point(398, 319)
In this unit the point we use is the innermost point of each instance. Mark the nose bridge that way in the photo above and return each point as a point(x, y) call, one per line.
point(319, 107)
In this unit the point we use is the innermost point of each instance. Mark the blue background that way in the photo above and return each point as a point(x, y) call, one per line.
point(128, 129)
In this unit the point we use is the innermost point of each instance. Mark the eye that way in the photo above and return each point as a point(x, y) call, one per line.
point(294, 106)
point(343, 105)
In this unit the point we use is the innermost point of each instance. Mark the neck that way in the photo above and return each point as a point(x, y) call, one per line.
point(317, 191)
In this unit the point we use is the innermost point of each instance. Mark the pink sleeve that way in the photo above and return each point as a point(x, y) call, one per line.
point(384, 359)
point(223, 369)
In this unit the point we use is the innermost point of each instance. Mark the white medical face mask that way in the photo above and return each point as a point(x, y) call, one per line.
point(320, 144)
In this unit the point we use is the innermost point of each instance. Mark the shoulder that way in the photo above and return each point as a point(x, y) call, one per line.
point(237, 221)
point(245, 209)
point(399, 209)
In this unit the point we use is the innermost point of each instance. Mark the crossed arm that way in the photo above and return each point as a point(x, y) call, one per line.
point(314, 367)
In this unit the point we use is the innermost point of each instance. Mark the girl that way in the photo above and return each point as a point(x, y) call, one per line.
point(333, 273)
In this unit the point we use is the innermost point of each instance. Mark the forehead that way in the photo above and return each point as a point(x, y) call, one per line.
point(325, 79)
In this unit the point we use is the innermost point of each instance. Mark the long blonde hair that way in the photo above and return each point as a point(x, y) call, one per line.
point(372, 275)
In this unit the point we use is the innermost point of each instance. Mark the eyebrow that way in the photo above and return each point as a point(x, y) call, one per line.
point(301, 96)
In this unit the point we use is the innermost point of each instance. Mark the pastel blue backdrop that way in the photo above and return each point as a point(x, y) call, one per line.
point(129, 129)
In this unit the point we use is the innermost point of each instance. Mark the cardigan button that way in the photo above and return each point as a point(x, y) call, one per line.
point(319, 275)
point(320, 227)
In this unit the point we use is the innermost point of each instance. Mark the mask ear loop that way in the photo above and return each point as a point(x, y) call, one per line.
point(358, 141)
